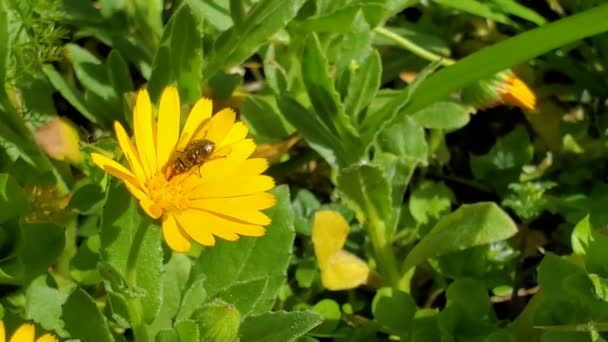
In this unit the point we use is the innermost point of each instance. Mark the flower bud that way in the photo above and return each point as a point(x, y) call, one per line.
point(60, 140)
point(503, 88)
point(218, 321)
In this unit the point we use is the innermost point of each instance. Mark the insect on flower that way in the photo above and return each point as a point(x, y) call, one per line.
point(196, 153)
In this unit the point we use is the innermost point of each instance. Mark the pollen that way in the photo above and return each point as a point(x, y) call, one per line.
point(168, 194)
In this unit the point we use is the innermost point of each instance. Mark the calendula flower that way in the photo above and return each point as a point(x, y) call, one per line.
point(25, 333)
point(504, 88)
point(221, 196)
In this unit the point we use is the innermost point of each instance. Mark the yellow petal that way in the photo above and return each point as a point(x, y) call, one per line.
point(201, 111)
point(114, 168)
point(144, 132)
point(130, 153)
point(168, 125)
point(194, 227)
point(329, 231)
point(25, 333)
point(259, 201)
point(2, 332)
point(174, 237)
point(237, 132)
point(242, 149)
point(47, 338)
point(202, 222)
point(225, 168)
point(344, 271)
point(218, 126)
point(152, 209)
point(234, 187)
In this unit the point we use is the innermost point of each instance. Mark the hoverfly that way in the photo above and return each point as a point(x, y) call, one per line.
point(195, 153)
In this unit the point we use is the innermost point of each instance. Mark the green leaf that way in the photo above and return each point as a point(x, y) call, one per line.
point(73, 96)
point(43, 304)
point(177, 271)
point(501, 56)
point(322, 92)
point(234, 269)
point(5, 47)
point(516, 9)
point(475, 7)
point(179, 57)
point(123, 227)
point(193, 298)
point(429, 201)
point(278, 326)
point(446, 115)
point(468, 226)
point(263, 120)
point(188, 331)
point(218, 321)
point(83, 320)
point(242, 40)
point(93, 75)
point(394, 310)
point(366, 190)
point(364, 84)
point(314, 131)
point(13, 203)
point(329, 310)
point(87, 199)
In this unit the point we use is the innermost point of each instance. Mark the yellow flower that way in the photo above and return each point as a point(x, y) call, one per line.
point(340, 269)
point(26, 333)
point(222, 197)
point(503, 88)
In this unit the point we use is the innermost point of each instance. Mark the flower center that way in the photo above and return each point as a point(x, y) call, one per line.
point(169, 195)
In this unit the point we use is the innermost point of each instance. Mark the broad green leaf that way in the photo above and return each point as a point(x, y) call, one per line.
point(251, 263)
point(314, 131)
point(394, 310)
point(263, 120)
point(179, 57)
point(446, 115)
point(468, 226)
point(329, 310)
point(501, 56)
point(177, 271)
point(93, 75)
point(339, 21)
point(240, 41)
point(13, 203)
point(218, 321)
point(237, 11)
point(87, 198)
point(192, 298)
point(377, 120)
point(429, 201)
point(127, 235)
point(471, 295)
point(43, 304)
point(366, 190)
point(363, 86)
point(216, 13)
point(38, 248)
point(278, 326)
point(83, 320)
point(322, 92)
point(188, 331)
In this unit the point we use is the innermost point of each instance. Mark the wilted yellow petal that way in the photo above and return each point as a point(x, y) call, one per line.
point(344, 271)
point(59, 139)
point(329, 232)
point(168, 125)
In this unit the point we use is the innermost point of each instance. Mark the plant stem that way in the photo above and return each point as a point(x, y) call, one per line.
point(383, 249)
point(412, 47)
point(133, 302)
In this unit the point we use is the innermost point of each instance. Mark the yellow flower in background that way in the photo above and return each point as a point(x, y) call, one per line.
point(25, 333)
point(220, 193)
point(340, 269)
point(504, 88)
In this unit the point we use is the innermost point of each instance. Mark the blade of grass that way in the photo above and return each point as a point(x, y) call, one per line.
point(505, 54)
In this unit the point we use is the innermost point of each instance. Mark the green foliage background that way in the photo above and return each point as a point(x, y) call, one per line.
point(481, 223)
